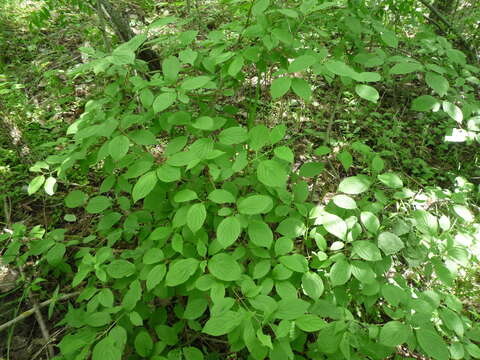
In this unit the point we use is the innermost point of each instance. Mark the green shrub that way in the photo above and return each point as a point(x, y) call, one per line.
point(208, 240)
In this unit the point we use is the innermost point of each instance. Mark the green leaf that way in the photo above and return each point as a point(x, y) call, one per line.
point(143, 343)
point(291, 309)
point(432, 344)
point(50, 185)
point(340, 273)
point(106, 297)
point(195, 308)
point(345, 159)
point(310, 323)
point(405, 68)
point(302, 88)
point(153, 256)
point(424, 103)
point(192, 353)
point(118, 269)
point(167, 335)
point(284, 153)
point(105, 349)
point(204, 123)
point(367, 92)
point(224, 267)
point(367, 250)
point(368, 77)
point(291, 227)
point(144, 186)
point(98, 204)
point(354, 185)
point(137, 169)
point(301, 63)
point(312, 285)
point(340, 68)
point(457, 351)
point(377, 164)
point(196, 216)
point(438, 83)
point(98, 319)
point(255, 204)
point(271, 173)
point(35, 184)
point(425, 222)
point(164, 101)
point(259, 136)
point(456, 56)
point(265, 340)
point(146, 97)
point(452, 321)
point(344, 202)
point(155, 276)
point(389, 38)
point(55, 254)
point(390, 243)
point(260, 233)
point(170, 68)
point(260, 6)
point(391, 180)
point(394, 333)
point(280, 86)
point(473, 350)
point(277, 133)
point(261, 269)
point(370, 221)
point(463, 213)
point(453, 111)
point(228, 231)
point(363, 272)
point(235, 66)
point(70, 217)
point(188, 56)
point(233, 135)
point(284, 35)
point(295, 262)
point(335, 225)
point(132, 296)
point(185, 195)
point(118, 147)
point(220, 196)
point(143, 137)
point(223, 323)
point(75, 199)
point(167, 173)
point(311, 169)
point(122, 56)
point(195, 83)
point(180, 271)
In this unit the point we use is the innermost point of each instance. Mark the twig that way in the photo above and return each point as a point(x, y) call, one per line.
point(7, 209)
point(40, 321)
point(332, 116)
point(102, 20)
point(30, 312)
point(247, 23)
point(442, 18)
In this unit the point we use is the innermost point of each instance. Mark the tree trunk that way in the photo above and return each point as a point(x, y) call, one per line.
point(123, 30)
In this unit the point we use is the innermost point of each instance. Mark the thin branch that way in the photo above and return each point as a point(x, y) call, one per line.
point(30, 312)
point(442, 18)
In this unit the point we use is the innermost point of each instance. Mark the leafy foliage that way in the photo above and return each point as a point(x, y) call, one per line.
point(214, 231)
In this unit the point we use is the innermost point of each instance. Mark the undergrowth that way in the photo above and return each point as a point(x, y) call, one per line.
point(296, 182)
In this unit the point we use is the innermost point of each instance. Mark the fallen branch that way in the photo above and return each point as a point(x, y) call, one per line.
point(30, 312)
